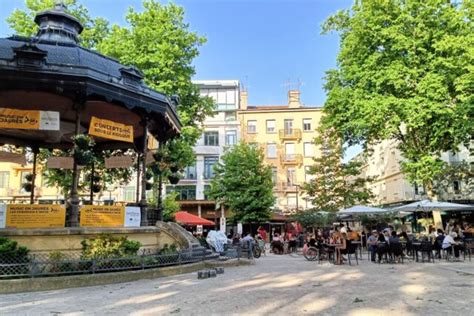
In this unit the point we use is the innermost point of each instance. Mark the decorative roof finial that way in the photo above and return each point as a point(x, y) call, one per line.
point(60, 6)
point(57, 25)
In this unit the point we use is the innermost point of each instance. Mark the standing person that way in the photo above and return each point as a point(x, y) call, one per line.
point(262, 232)
point(248, 241)
point(372, 244)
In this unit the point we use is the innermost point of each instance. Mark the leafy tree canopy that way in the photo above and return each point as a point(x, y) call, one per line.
point(243, 183)
point(405, 72)
point(334, 184)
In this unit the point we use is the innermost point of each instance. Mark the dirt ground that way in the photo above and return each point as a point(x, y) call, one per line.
point(281, 285)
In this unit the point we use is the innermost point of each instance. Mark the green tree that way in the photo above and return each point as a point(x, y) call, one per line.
point(170, 206)
point(243, 183)
point(335, 184)
point(159, 43)
point(405, 72)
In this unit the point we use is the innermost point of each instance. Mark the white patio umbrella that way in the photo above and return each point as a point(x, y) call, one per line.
point(362, 209)
point(428, 206)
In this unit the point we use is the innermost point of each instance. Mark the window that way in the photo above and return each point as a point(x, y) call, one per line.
point(209, 162)
point(206, 192)
point(288, 127)
point(457, 186)
point(290, 176)
point(4, 178)
point(190, 172)
point(418, 190)
point(291, 201)
point(271, 150)
point(185, 192)
point(230, 138)
point(274, 175)
point(271, 126)
point(251, 126)
point(211, 138)
point(230, 116)
point(23, 180)
point(308, 149)
point(307, 124)
point(129, 194)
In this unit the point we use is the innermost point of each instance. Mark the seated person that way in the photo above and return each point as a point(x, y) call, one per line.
point(372, 244)
point(394, 238)
point(438, 242)
point(341, 248)
point(276, 243)
point(450, 244)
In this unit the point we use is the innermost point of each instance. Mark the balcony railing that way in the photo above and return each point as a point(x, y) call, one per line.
point(290, 134)
point(291, 159)
point(288, 187)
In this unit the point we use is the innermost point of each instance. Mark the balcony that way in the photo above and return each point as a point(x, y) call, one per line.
point(292, 159)
point(289, 187)
point(290, 134)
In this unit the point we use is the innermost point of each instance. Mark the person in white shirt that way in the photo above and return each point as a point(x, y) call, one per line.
point(343, 229)
point(449, 244)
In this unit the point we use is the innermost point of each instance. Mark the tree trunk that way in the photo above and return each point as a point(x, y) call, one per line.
point(432, 195)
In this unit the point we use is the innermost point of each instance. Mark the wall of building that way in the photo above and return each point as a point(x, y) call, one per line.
point(294, 147)
point(391, 185)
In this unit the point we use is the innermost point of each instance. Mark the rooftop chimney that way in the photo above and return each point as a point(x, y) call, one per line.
point(294, 99)
point(243, 100)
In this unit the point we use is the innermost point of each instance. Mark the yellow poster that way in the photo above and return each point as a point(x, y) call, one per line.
point(102, 216)
point(35, 216)
point(19, 119)
point(111, 130)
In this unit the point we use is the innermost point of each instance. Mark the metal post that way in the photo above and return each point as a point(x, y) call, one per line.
point(143, 202)
point(74, 200)
point(92, 183)
point(137, 197)
point(33, 175)
point(159, 207)
point(297, 186)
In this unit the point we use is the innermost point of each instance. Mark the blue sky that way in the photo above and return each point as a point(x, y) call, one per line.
point(262, 43)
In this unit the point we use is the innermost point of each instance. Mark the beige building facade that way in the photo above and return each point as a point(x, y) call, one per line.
point(391, 186)
point(286, 134)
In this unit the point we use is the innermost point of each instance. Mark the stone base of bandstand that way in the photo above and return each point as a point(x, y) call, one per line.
point(68, 239)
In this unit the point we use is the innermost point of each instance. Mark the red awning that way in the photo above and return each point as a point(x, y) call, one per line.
point(185, 218)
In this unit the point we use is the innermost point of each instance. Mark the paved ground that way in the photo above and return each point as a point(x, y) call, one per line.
point(282, 285)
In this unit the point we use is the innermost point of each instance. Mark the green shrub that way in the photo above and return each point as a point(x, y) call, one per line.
point(107, 246)
point(11, 253)
point(167, 250)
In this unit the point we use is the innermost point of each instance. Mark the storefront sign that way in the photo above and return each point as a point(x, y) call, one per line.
point(111, 130)
point(118, 162)
point(199, 229)
point(102, 216)
point(12, 157)
point(32, 216)
point(22, 119)
point(132, 216)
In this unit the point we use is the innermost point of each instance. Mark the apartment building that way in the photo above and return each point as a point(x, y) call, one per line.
point(286, 134)
point(13, 176)
point(219, 132)
point(391, 186)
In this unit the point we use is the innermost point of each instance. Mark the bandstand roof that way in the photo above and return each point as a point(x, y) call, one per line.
point(52, 72)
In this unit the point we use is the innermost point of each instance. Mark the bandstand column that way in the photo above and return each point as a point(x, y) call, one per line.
point(143, 202)
point(33, 174)
point(74, 200)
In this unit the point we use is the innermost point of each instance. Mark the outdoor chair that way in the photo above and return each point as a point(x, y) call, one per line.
point(396, 251)
point(382, 252)
point(426, 249)
point(468, 248)
point(351, 250)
